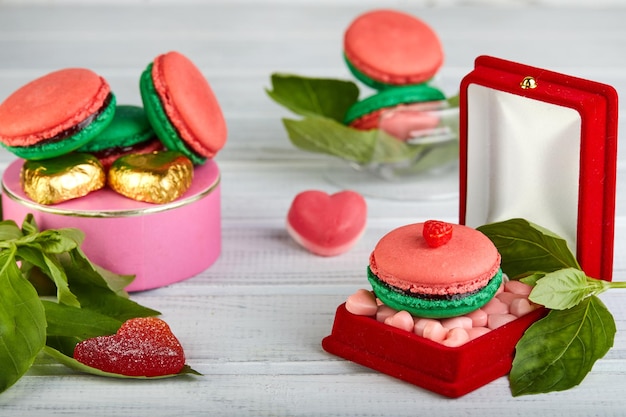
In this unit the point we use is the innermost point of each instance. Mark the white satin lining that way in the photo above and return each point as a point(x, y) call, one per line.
point(523, 160)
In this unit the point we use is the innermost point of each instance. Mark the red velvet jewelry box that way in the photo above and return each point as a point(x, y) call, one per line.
point(534, 144)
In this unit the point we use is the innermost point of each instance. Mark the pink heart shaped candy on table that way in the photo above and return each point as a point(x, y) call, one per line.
point(327, 225)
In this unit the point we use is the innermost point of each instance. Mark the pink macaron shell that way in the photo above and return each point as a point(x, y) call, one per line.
point(403, 259)
point(404, 123)
point(393, 47)
point(50, 105)
point(327, 224)
point(189, 103)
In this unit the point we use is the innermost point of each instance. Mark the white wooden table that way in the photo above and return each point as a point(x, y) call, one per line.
point(253, 323)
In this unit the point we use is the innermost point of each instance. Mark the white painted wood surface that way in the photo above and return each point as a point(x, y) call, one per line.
point(253, 323)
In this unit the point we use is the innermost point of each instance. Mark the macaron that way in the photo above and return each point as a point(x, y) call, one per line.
point(435, 269)
point(385, 48)
point(129, 132)
point(366, 114)
point(182, 108)
point(327, 224)
point(56, 113)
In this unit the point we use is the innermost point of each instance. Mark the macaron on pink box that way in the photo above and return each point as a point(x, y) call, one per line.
point(158, 243)
point(533, 144)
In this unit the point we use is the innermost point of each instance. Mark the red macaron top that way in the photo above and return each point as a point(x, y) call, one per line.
point(189, 103)
point(51, 105)
point(393, 47)
point(403, 259)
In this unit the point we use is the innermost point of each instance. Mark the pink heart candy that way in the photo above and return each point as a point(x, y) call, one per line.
point(521, 306)
point(384, 312)
point(478, 317)
point(460, 321)
point(456, 337)
point(362, 303)
point(434, 331)
point(495, 306)
point(327, 225)
point(518, 287)
point(475, 332)
point(497, 320)
point(401, 320)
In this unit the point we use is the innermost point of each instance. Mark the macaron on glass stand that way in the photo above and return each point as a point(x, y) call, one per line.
point(563, 131)
point(398, 56)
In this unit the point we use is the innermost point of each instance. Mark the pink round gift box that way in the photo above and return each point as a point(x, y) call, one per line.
point(158, 243)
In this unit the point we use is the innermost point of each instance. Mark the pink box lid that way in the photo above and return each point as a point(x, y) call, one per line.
point(159, 244)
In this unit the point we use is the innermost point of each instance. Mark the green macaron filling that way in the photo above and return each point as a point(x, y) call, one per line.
point(164, 129)
point(84, 133)
point(415, 93)
point(434, 307)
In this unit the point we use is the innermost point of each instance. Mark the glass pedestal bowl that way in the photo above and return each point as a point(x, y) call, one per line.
point(415, 158)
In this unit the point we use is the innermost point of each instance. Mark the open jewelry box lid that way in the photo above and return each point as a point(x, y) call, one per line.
point(542, 146)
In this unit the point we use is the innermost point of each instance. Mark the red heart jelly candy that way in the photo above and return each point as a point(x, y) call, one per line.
point(142, 346)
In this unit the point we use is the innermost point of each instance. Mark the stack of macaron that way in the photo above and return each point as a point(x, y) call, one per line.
point(397, 55)
point(72, 133)
point(442, 281)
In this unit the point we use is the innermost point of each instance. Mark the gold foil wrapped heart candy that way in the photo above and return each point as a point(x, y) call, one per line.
point(54, 180)
point(157, 177)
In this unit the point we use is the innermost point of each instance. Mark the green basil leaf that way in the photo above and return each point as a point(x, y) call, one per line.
point(327, 136)
point(64, 344)
point(94, 293)
point(308, 96)
point(29, 225)
point(323, 135)
point(525, 246)
point(563, 289)
point(54, 241)
point(22, 322)
point(78, 366)
point(116, 282)
point(82, 323)
point(51, 267)
point(558, 351)
point(532, 278)
point(9, 231)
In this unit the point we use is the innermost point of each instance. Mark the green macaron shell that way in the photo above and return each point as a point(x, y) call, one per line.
point(434, 308)
point(415, 93)
point(370, 82)
point(71, 143)
point(161, 124)
point(129, 127)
